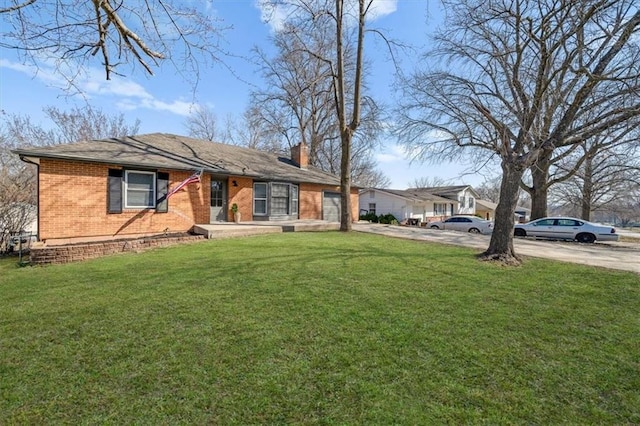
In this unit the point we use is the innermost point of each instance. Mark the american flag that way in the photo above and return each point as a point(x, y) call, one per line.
point(191, 179)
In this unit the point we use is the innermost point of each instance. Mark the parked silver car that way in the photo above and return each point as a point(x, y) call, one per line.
point(566, 228)
point(472, 224)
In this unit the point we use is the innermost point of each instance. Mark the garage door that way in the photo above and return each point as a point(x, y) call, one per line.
point(331, 206)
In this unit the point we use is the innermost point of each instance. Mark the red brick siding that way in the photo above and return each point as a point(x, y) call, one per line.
point(311, 200)
point(242, 195)
point(73, 203)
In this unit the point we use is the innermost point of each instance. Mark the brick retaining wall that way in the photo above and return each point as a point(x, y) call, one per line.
point(77, 252)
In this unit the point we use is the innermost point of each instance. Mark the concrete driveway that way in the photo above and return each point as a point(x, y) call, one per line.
point(623, 256)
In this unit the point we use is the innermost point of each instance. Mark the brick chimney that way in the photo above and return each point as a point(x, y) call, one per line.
point(300, 155)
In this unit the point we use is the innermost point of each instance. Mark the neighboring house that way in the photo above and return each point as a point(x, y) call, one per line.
point(486, 209)
point(406, 204)
point(118, 187)
point(465, 195)
point(425, 204)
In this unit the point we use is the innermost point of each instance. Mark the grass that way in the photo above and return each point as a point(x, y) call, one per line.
point(321, 328)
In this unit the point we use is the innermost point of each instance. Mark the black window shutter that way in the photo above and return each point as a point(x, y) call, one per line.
point(114, 193)
point(162, 185)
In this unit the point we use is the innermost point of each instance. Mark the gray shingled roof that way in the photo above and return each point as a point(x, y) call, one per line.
point(443, 191)
point(414, 196)
point(166, 151)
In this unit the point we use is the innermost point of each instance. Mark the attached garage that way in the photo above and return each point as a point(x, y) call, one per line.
point(331, 206)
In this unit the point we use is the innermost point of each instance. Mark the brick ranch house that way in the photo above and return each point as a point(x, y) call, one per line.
point(115, 188)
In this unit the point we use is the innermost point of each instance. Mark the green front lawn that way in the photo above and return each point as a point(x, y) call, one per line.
point(317, 328)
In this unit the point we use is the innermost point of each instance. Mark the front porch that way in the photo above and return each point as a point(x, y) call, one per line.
point(232, 229)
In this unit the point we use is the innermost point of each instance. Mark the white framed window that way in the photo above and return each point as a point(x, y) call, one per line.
point(471, 201)
point(461, 200)
point(140, 189)
point(279, 199)
point(372, 208)
point(440, 209)
point(294, 199)
point(275, 199)
point(260, 199)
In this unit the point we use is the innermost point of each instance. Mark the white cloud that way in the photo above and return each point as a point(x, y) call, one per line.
point(43, 73)
point(13, 66)
point(275, 15)
point(177, 107)
point(380, 8)
point(92, 84)
point(271, 14)
point(387, 158)
point(393, 154)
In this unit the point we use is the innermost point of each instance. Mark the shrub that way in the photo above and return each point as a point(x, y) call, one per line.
point(371, 217)
point(388, 219)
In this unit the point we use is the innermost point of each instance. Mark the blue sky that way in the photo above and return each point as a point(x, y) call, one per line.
point(162, 102)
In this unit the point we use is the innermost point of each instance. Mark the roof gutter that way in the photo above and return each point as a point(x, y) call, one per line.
point(29, 157)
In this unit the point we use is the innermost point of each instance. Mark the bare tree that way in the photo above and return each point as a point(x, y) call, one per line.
point(625, 211)
point(202, 123)
point(297, 103)
point(489, 189)
point(17, 191)
point(18, 179)
point(89, 123)
point(251, 131)
point(428, 182)
point(69, 33)
point(78, 124)
point(523, 79)
point(347, 21)
point(560, 164)
point(605, 170)
point(366, 175)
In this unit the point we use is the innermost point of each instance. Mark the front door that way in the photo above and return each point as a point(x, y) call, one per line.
point(218, 201)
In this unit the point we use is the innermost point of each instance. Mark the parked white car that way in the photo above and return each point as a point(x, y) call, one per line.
point(472, 224)
point(566, 228)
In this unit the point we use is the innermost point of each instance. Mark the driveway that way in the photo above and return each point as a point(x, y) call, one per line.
point(622, 256)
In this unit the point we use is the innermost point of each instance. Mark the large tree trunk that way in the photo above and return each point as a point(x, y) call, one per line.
point(501, 245)
point(540, 187)
point(587, 189)
point(345, 182)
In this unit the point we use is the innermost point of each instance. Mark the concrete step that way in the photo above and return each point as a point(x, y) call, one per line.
point(229, 231)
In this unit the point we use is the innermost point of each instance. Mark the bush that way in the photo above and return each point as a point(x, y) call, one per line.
point(388, 219)
point(371, 217)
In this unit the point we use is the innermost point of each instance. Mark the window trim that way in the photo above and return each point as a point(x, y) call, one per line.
point(442, 211)
point(152, 197)
point(114, 191)
point(293, 199)
point(287, 198)
point(265, 199)
point(294, 209)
